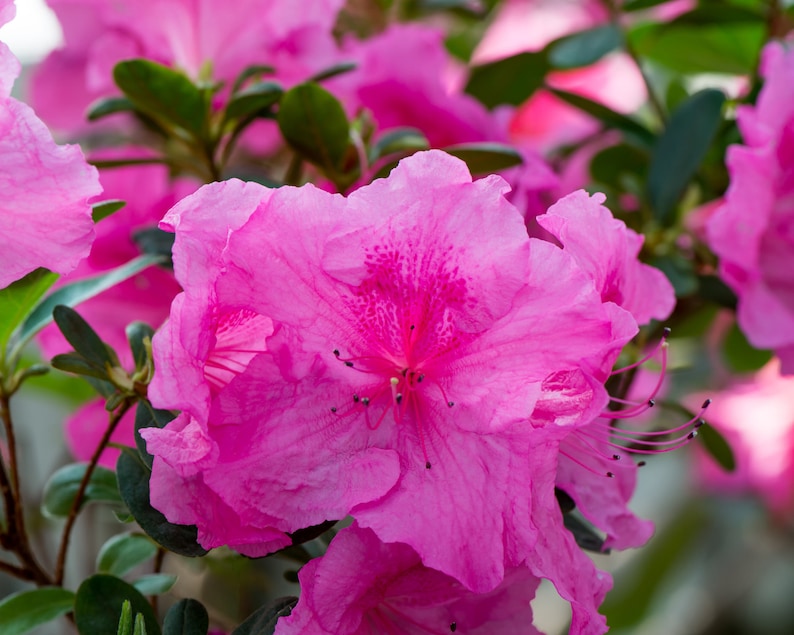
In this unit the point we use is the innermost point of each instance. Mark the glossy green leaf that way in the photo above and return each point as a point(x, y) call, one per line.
point(23, 611)
point(123, 552)
point(253, 99)
point(717, 446)
point(680, 149)
point(148, 417)
point(61, 489)
point(485, 158)
point(82, 337)
point(78, 365)
point(104, 209)
point(155, 583)
point(153, 241)
point(99, 601)
point(332, 71)
point(607, 116)
point(19, 298)
point(584, 48)
point(740, 355)
point(249, 73)
point(133, 480)
point(508, 81)
point(186, 617)
point(164, 94)
point(108, 106)
point(398, 140)
point(80, 291)
point(314, 123)
point(263, 621)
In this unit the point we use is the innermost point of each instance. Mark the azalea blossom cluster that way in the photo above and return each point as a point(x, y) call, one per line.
point(358, 293)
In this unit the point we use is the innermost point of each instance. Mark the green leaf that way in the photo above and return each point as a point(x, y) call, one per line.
point(616, 163)
point(186, 617)
point(639, 5)
point(61, 489)
point(108, 106)
point(256, 98)
point(718, 447)
point(155, 583)
point(314, 123)
point(138, 333)
point(99, 601)
point(248, 73)
point(740, 355)
point(18, 299)
point(607, 116)
point(82, 337)
point(148, 417)
point(77, 292)
point(23, 611)
point(263, 620)
point(154, 241)
point(679, 271)
point(125, 621)
point(164, 94)
point(485, 158)
point(713, 289)
point(78, 365)
point(584, 534)
point(402, 140)
point(332, 71)
point(584, 48)
point(123, 552)
point(680, 149)
point(508, 81)
point(103, 209)
point(133, 479)
point(140, 625)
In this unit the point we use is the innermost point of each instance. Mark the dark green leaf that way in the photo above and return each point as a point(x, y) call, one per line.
point(155, 583)
point(713, 289)
point(584, 48)
point(263, 621)
point(61, 488)
point(82, 337)
point(23, 611)
point(78, 365)
point(314, 123)
point(105, 208)
point(584, 534)
point(607, 116)
point(724, 13)
point(186, 617)
point(679, 272)
point(615, 163)
point(566, 503)
point(250, 72)
point(138, 334)
point(98, 605)
point(153, 241)
point(680, 149)
point(717, 447)
point(638, 5)
point(508, 81)
point(333, 71)
point(124, 552)
point(18, 299)
point(108, 106)
point(164, 94)
point(406, 140)
point(133, 479)
point(740, 355)
point(80, 291)
point(485, 158)
point(148, 417)
point(255, 98)
point(310, 533)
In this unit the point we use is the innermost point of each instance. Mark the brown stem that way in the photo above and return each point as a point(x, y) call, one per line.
point(158, 566)
point(78, 499)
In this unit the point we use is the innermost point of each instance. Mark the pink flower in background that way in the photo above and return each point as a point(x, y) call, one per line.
point(409, 344)
point(186, 34)
point(756, 416)
point(86, 427)
point(753, 232)
point(362, 586)
point(44, 188)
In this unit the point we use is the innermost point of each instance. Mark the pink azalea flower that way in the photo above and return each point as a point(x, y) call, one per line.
point(86, 427)
point(756, 416)
point(44, 188)
point(362, 586)
point(186, 34)
point(413, 324)
point(753, 232)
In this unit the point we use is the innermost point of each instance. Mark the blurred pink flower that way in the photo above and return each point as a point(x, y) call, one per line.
point(197, 36)
point(362, 586)
point(756, 416)
point(44, 187)
point(413, 324)
point(753, 232)
point(85, 428)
